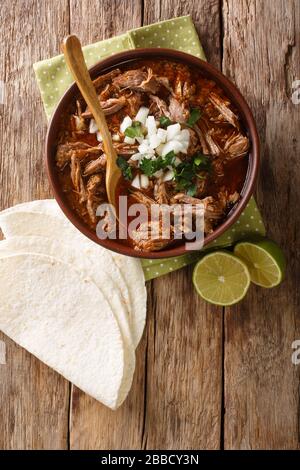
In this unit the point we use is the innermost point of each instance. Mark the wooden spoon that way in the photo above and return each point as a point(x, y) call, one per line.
point(71, 48)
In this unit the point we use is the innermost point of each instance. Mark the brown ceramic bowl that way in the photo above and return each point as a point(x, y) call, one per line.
point(207, 70)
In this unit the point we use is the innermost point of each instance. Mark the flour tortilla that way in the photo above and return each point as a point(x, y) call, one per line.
point(47, 206)
point(130, 268)
point(52, 310)
point(16, 222)
point(135, 280)
point(65, 253)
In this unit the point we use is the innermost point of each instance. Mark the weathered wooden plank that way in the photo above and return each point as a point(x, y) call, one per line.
point(92, 426)
point(184, 353)
point(206, 17)
point(94, 21)
point(33, 398)
point(34, 402)
point(262, 55)
point(184, 373)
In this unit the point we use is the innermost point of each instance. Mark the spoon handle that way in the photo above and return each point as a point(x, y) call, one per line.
point(75, 61)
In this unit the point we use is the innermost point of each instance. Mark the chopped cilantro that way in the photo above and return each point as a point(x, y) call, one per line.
point(169, 159)
point(194, 117)
point(125, 168)
point(192, 190)
point(202, 161)
point(185, 173)
point(149, 167)
point(164, 121)
point(135, 130)
point(188, 170)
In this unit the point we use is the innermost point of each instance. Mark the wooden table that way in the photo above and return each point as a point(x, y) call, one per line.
point(206, 377)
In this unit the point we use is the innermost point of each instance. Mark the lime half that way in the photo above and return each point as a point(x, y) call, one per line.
point(221, 278)
point(265, 261)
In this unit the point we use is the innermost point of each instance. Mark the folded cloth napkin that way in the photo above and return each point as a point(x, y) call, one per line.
point(54, 78)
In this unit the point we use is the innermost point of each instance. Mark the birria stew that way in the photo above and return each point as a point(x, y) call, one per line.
point(178, 138)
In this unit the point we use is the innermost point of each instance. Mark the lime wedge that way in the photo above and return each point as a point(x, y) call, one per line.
point(265, 261)
point(221, 278)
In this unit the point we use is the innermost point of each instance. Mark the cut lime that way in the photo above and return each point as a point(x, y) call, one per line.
point(265, 261)
point(221, 278)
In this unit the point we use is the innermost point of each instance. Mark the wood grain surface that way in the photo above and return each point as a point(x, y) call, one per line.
point(34, 399)
point(205, 378)
point(262, 56)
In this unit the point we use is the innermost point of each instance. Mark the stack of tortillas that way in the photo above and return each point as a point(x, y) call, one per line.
point(76, 306)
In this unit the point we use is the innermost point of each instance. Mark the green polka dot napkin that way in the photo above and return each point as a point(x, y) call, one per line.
point(54, 78)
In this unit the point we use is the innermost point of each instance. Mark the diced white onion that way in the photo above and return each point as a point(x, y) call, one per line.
point(145, 149)
point(129, 140)
point(136, 157)
point(179, 147)
point(136, 182)
point(158, 173)
point(154, 141)
point(159, 149)
point(185, 146)
point(151, 125)
point(116, 137)
point(144, 181)
point(162, 135)
point(185, 143)
point(139, 139)
point(99, 137)
point(185, 134)
point(173, 145)
point(177, 161)
point(180, 138)
point(93, 128)
point(127, 121)
point(172, 130)
point(168, 176)
point(142, 115)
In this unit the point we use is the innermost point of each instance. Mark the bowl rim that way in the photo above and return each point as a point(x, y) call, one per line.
point(140, 54)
